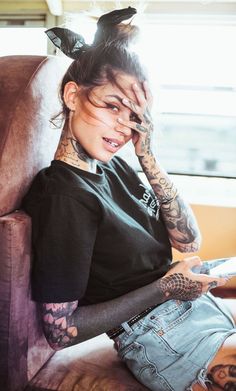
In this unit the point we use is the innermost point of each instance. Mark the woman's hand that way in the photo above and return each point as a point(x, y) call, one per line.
point(142, 125)
point(181, 283)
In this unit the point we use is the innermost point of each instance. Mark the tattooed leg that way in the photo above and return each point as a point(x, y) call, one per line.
point(221, 373)
point(223, 376)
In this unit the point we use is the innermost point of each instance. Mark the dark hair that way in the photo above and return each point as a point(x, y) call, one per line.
point(101, 61)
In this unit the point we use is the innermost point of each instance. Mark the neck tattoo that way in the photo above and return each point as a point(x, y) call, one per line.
point(82, 154)
point(70, 151)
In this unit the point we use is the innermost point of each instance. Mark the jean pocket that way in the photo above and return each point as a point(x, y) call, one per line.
point(171, 315)
point(143, 368)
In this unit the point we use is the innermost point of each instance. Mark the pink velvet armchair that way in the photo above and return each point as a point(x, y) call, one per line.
point(28, 90)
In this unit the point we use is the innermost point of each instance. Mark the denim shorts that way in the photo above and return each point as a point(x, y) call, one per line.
point(171, 347)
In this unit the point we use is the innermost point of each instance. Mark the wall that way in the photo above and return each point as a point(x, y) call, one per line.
point(218, 228)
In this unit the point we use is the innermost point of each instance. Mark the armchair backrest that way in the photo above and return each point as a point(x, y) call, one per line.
point(28, 100)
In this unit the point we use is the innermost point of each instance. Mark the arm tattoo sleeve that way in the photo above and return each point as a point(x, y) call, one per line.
point(66, 324)
point(178, 216)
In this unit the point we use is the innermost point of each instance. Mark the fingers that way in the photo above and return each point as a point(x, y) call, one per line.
point(192, 262)
point(133, 106)
point(211, 281)
point(207, 281)
point(188, 264)
point(140, 128)
point(140, 95)
point(143, 97)
point(147, 93)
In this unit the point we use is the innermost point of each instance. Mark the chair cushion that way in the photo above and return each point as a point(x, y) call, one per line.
point(28, 100)
point(22, 344)
point(89, 366)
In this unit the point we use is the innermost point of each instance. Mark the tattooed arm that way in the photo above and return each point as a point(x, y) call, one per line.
point(66, 324)
point(179, 219)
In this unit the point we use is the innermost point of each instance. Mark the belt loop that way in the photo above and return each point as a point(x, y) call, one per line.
point(127, 328)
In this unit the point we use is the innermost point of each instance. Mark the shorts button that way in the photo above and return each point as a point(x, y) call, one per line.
point(152, 317)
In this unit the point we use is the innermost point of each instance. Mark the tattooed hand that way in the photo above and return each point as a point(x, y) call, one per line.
point(182, 284)
point(141, 124)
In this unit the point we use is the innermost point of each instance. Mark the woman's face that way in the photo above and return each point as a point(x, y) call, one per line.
point(94, 122)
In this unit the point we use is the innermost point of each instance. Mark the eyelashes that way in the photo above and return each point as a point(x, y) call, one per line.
point(133, 116)
point(113, 107)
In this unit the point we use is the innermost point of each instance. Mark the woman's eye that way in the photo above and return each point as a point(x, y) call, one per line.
point(112, 107)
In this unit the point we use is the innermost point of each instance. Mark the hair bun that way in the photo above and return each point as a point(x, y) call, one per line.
point(70, 43)
point(110, 30)
point(116, 16)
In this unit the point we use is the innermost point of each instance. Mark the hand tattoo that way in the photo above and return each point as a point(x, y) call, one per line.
point(141, 128)
point(176, 286)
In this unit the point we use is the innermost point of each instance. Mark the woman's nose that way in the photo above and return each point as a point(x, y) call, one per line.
point(122, 128)
point(125, 130)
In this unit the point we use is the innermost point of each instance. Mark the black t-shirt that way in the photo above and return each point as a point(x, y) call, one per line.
point(95, 236)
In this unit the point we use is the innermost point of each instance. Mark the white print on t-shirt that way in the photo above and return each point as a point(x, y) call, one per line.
point(151, 204)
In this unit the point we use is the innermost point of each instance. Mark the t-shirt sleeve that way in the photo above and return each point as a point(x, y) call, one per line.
point(64, 232)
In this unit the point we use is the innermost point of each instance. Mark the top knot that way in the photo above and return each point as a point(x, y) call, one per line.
point(110, 30)
point(70, 43)
point(116, 16)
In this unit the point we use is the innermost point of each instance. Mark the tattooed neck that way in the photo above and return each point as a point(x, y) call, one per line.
point(70, 151)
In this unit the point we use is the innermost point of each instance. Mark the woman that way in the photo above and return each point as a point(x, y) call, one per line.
point(102, 240)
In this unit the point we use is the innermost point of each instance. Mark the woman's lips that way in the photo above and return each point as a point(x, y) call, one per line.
point(112, 144)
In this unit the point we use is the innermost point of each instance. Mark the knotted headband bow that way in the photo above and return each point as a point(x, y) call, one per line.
point(73, 44)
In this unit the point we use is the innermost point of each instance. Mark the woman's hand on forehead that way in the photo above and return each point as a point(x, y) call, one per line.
point(142, 98)
point(141, 123)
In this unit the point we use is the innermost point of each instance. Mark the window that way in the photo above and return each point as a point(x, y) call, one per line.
point(193, 79)
point(22, 35)
point(192, 69)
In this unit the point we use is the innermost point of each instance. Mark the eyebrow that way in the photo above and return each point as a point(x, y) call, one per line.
point(116, 96)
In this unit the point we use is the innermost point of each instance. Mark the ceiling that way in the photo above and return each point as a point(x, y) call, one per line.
point(58, 7)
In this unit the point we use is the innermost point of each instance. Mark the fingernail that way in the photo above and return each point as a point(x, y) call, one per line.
point(135, 85)
point(125, 100)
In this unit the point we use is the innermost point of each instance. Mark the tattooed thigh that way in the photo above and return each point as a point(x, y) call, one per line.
point(221, 373)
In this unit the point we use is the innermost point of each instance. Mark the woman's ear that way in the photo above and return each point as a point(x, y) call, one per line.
point(70, 95)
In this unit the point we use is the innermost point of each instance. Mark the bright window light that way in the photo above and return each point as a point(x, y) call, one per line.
point(23, 40)
point(192, 71)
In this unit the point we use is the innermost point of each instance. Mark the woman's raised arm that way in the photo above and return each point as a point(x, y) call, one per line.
point(179, 219)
